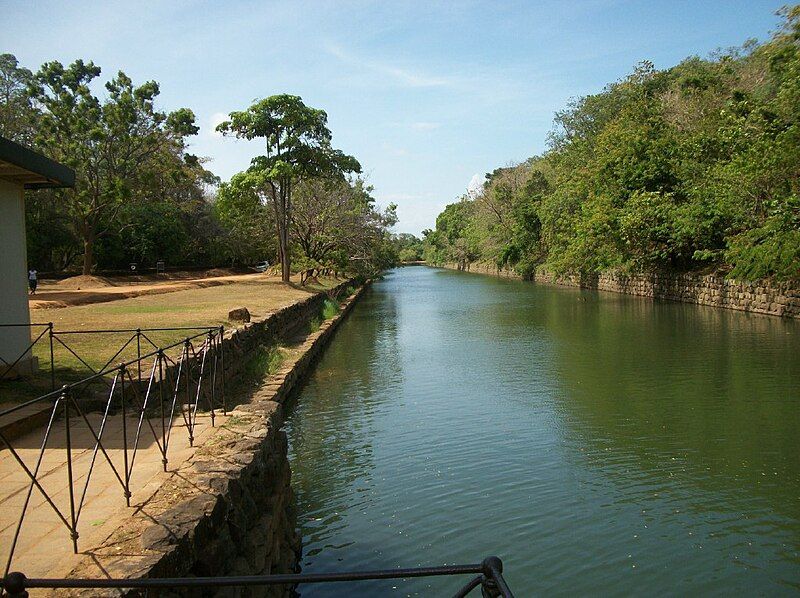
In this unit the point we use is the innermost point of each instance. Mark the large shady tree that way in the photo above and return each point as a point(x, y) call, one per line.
point(111, 143)
point(298, 146)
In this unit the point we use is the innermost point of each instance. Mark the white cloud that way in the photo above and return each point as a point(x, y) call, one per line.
point(398, 152)
point(475, 185)
point(425, 126)
point(403, 76)
point(216, 119)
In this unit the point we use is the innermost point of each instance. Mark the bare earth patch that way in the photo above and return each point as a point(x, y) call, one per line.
point(84, 290)
point(85, 281)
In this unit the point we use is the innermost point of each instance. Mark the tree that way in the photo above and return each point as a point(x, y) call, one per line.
point(178, 183)
point(409, 247)
point(693, 167)
point(324, 214)
point(297, 142)
point(17, 114)
point(109, 143)
point(453, 240)
point(248, 227)
point(52, 245)
point(337, 225)
point(367, 242)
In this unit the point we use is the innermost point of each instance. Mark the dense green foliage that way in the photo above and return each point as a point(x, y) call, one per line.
point(297, 148)
point(141, 197)
point(409, 248)
point(337, 226)
point(330, 308)
point(264, 361)
point(693, 167)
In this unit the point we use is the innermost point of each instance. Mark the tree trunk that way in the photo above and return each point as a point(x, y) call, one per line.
point(283, 245)
point(280, 203)
point(88, 252)
point(286, 270)
point(285, 265)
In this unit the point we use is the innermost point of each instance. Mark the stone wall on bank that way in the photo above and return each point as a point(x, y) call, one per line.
point(484, 268)
point(764, 297)
point(229, 509)
point(239, 342)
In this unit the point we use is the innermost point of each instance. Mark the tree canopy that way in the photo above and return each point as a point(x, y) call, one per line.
point(298, 146)
point(695, 167)
point(114, 144)
point(142, 197)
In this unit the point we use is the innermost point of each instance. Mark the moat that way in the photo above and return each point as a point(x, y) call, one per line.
point(599, 443)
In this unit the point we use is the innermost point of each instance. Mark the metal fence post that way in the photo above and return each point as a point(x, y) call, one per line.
point(139, 353)
point(52, 359)
point(187, 378)
point(493, 584)
point(209, 346)
point(14, 585)
point(215, 347)
point(125, 438)
point(161, 358)
point(65, 395)
point(222, 369)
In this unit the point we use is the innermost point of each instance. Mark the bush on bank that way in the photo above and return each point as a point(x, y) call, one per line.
point(690, 168)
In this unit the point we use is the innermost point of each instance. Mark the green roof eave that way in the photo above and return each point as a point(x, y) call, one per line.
point(31, 169)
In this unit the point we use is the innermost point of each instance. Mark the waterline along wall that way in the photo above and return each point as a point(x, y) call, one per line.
point(763, 297)
point(229, 509)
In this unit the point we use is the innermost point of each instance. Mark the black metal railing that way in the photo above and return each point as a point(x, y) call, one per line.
point(37, 332)
point(152, 389)
point(60, 340)
point(488, 576)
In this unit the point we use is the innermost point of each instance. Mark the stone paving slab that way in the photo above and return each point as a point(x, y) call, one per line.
point(23, 420)
point(44, 546)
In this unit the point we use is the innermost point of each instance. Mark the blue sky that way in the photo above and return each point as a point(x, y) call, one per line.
point(425, 94)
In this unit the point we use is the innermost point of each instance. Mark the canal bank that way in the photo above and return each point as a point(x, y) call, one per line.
point(228, 509)
point(762, 297)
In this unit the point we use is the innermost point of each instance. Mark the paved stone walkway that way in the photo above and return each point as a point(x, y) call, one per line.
point(23, 419)
point(44, 547)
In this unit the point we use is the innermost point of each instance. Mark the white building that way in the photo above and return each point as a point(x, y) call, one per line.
point(20, 169)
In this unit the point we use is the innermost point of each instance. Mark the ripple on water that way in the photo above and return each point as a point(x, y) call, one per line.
point(608, 446)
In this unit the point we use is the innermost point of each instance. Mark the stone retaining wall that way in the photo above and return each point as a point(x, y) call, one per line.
point(229, 509)
point(275, 328)
point(764, 297)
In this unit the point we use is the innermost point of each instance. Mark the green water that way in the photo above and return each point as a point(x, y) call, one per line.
point(598, 443)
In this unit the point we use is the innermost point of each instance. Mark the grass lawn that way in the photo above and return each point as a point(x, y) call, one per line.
point(202, 307)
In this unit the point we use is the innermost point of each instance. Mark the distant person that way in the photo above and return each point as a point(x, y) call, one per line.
point(32, 281)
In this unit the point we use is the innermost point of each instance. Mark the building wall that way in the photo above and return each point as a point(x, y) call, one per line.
point(13, 272)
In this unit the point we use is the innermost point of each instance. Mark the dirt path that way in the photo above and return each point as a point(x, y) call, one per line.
point(53, 295)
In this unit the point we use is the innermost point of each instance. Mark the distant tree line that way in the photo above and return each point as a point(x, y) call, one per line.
point(689, 168)
point(141, 197)
point(409, 247)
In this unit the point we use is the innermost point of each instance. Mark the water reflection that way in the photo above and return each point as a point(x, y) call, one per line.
point(597, 442)
point(344, 398)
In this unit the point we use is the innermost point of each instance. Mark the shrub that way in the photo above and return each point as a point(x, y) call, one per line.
point(330, 308)
point(264, 362)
